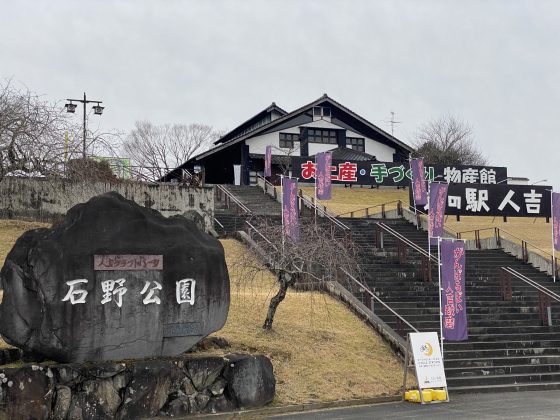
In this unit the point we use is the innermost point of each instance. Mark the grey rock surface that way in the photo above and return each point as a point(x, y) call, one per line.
point(251, 381)
point(134, 389)
point(37, 313)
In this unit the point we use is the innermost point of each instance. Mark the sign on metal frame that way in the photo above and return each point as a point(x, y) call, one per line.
point(423, 352)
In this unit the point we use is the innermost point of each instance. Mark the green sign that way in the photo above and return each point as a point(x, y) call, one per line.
point(119, 166)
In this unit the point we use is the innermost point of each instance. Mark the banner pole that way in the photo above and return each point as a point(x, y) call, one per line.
point(440, 290)
point(429, 224)
point(552, 223)
point(282, 206)
point(316, 188)
point(412, 188)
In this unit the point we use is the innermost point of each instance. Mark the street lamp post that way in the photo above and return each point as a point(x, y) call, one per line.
point(97, 110)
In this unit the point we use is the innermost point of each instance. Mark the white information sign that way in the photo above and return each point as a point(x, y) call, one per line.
point(428, 362)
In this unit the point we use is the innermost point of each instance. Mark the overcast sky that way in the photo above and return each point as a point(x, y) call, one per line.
point(495, 64)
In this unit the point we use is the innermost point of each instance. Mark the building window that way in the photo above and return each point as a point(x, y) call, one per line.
point(321, 112)
point(287, 140)
point(321, 136)
point(356, 143)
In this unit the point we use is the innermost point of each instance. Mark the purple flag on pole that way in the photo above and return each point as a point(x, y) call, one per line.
point(268, 161)
point(556, 220)
point(436, 212)
point(418, 182)
point(290, 213)
point(323, 175)
point(453, 299)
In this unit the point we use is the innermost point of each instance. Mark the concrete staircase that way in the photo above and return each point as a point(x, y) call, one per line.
point(508, 347)
point(253, 198)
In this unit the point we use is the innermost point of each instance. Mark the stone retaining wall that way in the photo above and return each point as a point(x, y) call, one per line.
point(136, 389)
point(45, 199)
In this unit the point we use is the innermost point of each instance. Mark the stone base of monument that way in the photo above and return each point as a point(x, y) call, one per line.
point(136, 389)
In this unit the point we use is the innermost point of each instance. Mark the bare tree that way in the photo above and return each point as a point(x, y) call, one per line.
point(37, 137)
point(315, 259)
point(156, 150)
point(32, 133)
point(448, 141)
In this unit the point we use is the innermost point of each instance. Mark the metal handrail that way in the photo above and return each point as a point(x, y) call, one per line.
point(313, 203)
point(218, 222)
point(407, 241)
point(366, 288)
point(498, 230)
point(447, 229)
point(267, 183)
point(325, 214)
point(533, 283)
point(234, 199)
point(261, 235)
point(366, 209)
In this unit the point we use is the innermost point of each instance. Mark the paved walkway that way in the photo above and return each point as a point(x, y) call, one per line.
point(512, 405)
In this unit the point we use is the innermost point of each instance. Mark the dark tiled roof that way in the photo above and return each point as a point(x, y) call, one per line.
point(345, 153)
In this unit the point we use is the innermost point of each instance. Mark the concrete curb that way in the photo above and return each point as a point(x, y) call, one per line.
point(297, 408)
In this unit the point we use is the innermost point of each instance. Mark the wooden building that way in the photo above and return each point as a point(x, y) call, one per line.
point(322, 125)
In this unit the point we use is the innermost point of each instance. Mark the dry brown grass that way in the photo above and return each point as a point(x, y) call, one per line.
point(352, 199)
point(320, 350)
point(10, 230)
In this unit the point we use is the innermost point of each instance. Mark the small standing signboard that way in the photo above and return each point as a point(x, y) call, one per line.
point(423, 352)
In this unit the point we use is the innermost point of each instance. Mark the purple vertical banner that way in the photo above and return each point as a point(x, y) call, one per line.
point(418, 182)
point(290, 213)
point(556, 220)
point(323, 175)
point(453, 299)
point(436, 212)
point(268, 161)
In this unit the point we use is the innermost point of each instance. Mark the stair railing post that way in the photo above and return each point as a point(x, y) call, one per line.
point(383, 214)
point(497, 236)
point(369, 301)
point(401, 251)
point(505, 283)
point(524, 251)
point(426, 269)
point(545, 311)
point(400, 327)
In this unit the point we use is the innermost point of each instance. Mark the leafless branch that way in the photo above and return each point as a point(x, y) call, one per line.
point(316, 259)
point(448, 141)
point(159, 149)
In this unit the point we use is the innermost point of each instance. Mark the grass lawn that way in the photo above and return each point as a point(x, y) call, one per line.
point(320, 350)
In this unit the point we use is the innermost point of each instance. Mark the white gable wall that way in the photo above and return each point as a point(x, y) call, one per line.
point(258, 144)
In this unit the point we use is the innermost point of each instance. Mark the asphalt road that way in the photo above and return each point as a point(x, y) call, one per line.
point(512, 405)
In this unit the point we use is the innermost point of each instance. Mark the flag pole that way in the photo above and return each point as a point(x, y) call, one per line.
point(429, 223)
point(413, 195)
point(315, 188)
point(553, 248)
point(282, 207)
point(440, 290)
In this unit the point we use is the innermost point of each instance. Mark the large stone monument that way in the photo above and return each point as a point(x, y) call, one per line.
point(113, 281)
